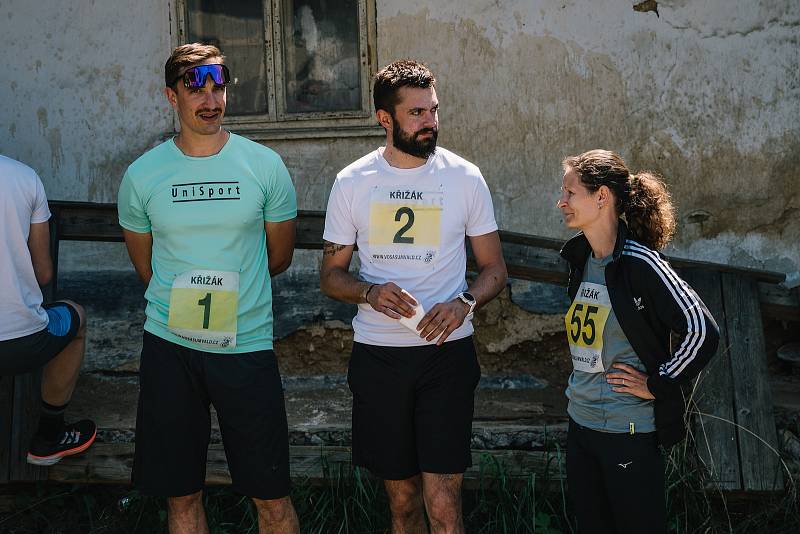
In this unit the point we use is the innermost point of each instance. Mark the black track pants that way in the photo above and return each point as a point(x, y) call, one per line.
point(615, 481)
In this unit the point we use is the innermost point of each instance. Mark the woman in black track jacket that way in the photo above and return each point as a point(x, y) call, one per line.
point(625, 397)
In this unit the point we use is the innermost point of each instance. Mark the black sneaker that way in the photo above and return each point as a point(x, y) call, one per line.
point(75, 438)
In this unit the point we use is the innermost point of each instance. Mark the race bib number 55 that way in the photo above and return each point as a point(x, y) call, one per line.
point(203, 306)
point(405, 226)
point(585, 322)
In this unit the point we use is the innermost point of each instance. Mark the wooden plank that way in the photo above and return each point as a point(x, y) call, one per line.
point(85, 221)
point(785, 393)
point(771, 277)
point(531, 240)
point(50, 290)
point(759, 275)
point(88, 221)
point(82, 221)
point(112, 463)
point(310, 226)
point(24, 420)
point(535, 263)
point(714, 428)
point(758, 443)
point(778, 302)
point(101, 463)
point(528, 257)
point(6, 406)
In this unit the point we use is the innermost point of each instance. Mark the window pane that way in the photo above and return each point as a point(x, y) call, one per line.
point(237, 28)
point(321, 55)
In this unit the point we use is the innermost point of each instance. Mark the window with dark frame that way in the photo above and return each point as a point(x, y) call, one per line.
point(292, 61)
point(237, 28)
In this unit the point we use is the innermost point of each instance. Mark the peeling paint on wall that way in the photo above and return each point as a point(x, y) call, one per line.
point(705, 93)
point(82, 99)
point(708, 99)
point(646, 6)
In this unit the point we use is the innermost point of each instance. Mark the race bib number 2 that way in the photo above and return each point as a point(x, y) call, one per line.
point(203, 306)
point(405, 226)
point(585, 322)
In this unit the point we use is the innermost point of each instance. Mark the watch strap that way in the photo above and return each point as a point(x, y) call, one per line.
point(469, 302)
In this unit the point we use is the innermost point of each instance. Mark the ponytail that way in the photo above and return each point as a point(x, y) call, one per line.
point(649, 210)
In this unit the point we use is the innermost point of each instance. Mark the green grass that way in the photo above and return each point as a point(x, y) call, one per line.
point(696, 504)
point(353, 502)
point(506, 505)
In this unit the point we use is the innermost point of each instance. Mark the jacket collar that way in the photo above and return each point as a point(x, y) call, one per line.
point(577, 248)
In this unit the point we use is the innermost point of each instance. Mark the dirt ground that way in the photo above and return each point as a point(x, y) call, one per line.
point(509, 341)
point(313, 348)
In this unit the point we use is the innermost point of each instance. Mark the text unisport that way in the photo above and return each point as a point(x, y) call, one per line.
point(204, 191)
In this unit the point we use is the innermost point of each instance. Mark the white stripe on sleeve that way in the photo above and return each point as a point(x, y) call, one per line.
point(686, 299)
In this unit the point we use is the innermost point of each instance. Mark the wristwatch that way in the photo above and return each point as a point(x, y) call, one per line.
point(467, 299)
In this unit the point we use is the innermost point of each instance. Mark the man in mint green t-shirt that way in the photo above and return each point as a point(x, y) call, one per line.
point(208, 218)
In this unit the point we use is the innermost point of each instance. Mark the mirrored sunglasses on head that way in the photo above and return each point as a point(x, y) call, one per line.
point(196, 76)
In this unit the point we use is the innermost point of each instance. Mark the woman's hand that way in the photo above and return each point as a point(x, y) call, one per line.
point(629, 380)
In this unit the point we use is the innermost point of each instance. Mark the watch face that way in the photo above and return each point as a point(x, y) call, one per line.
point(469, 296)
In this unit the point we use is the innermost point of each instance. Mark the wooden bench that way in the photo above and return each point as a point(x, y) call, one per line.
point(733, 398)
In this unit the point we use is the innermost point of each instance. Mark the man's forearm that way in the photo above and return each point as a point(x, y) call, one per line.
point(489, 283)
point(142, 265)
point(280, 245)
point(140, 251)
point(145, 274)
point(339, 284)
point(277, 266)
point(43, 270)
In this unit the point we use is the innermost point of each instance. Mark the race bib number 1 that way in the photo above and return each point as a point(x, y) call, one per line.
point(203, 306)
point(585, 321)
point(405, 226)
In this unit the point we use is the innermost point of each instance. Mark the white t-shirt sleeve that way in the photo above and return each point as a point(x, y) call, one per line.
point(41, 211)
point(480, 219)
point(339, 225)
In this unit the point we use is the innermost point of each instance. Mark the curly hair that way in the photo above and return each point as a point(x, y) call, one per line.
point(642, 197)
point(403, 73)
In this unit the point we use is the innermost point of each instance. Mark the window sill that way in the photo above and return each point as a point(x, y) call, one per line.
point(268, 132)
point(282, 132)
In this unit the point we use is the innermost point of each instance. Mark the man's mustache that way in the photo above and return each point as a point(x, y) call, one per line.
point(433, 131)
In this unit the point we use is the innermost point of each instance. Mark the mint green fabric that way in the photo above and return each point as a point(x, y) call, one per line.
point(209, 213)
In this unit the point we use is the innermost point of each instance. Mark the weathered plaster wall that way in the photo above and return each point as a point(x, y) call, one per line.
point(83, 99)
point(706, 93)
point(80, 89)
point(81, 94)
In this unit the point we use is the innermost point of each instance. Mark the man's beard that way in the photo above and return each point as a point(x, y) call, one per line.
point(411, 145)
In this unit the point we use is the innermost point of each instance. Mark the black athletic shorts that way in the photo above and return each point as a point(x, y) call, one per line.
point(412, 407)
point(615, 481)
point(24, 354)
point(173, 423)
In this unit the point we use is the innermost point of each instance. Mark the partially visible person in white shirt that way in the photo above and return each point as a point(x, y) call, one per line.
point(33, 335)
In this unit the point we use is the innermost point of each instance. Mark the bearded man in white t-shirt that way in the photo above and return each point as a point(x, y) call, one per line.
point(409, 206)
point(35, 335)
